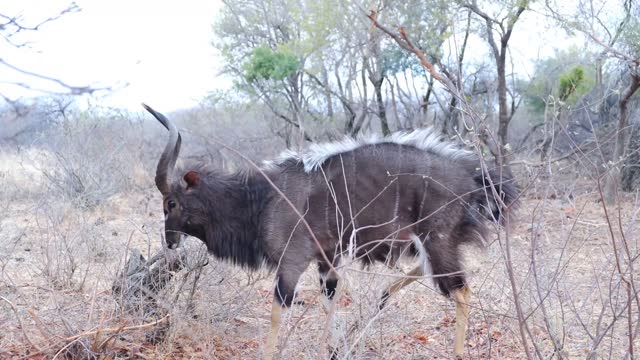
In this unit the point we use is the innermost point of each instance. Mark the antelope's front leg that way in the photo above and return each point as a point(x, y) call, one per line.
point(282, 299)
point(272, 338)
point(462, 297)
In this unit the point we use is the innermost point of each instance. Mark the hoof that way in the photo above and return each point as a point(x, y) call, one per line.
point(333, 353)
point(383, 300)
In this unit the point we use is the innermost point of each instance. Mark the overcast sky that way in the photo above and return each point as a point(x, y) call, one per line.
point(162, 49)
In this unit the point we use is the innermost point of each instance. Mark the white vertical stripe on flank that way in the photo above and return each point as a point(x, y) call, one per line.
point(423, 256)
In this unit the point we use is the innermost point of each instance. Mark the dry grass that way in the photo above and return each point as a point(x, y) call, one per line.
point(59, 257)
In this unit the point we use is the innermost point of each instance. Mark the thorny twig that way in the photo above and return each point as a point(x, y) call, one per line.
point(628, 282)
point(15, 311)
point(74, 90)
point(15, 24)
point(11, 26)
point(116, 330)
point(402, 39)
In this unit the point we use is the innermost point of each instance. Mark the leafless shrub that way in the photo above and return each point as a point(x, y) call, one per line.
point(89, 161)
point(69, 247)
point(573, 265)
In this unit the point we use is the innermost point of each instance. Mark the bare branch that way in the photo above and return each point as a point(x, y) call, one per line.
point(578, 149)
point(74, 90)
point(12, 25)
point(403, 40)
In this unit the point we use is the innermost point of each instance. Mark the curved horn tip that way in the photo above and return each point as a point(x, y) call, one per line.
point(159, 116)
point(147, 107)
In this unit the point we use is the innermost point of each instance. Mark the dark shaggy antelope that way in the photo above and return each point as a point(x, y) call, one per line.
point(373, 199)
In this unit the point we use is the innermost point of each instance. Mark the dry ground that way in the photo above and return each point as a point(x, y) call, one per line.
point(58, 261)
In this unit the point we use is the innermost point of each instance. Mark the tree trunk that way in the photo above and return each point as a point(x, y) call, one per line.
point(297, 108)
point(400, 124)
point(500, 56)
point(451, 121)
point(354, 125)
point(327, 92)
point(549, 129)
point(503, 107)
point(425, 99)
point(374, 65)
point(614, 177)
point(631, 169)
point(382, 111)
point(623, 123)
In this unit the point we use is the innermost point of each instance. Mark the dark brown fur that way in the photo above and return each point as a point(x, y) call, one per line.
point(372, 199)
point(386, 191)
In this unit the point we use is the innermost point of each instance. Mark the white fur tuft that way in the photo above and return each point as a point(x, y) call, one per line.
point(318, 153)
point(281, 159)
point(426, 139)
point(429, 139)
point(423, 256)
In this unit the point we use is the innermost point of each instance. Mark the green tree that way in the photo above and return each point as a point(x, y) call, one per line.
point(567, 76)
point(260, 43)
point(616, 32)
point(267, 64)
point(321, 63)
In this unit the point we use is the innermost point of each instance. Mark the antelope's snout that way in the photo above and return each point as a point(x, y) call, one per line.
point(173, 239)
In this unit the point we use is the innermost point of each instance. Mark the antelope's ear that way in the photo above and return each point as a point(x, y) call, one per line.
point(192, 178)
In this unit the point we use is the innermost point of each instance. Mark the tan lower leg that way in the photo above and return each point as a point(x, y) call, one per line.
point(272, 338)
point(330, 309)
point(462, 298)
point(329, 304)
point(412, 276)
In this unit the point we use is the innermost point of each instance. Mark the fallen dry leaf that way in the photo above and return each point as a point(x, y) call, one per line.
point(496, 335)
point(421, 338)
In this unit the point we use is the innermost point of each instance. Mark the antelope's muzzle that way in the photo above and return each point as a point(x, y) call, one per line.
point(173, 239)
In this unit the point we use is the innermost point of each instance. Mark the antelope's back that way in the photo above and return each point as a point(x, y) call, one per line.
point(384, 191)
point(395, 184)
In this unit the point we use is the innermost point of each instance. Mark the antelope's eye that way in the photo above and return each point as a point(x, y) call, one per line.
point(171, 204)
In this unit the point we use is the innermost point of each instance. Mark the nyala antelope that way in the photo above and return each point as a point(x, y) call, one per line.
point(372, 198)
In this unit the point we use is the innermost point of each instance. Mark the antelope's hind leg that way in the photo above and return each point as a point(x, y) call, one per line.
point(329, 285)
point(461, 296)
point(415, 274)
point(412, 276)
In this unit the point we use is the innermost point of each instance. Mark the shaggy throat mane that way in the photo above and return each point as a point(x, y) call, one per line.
point(234, 232)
